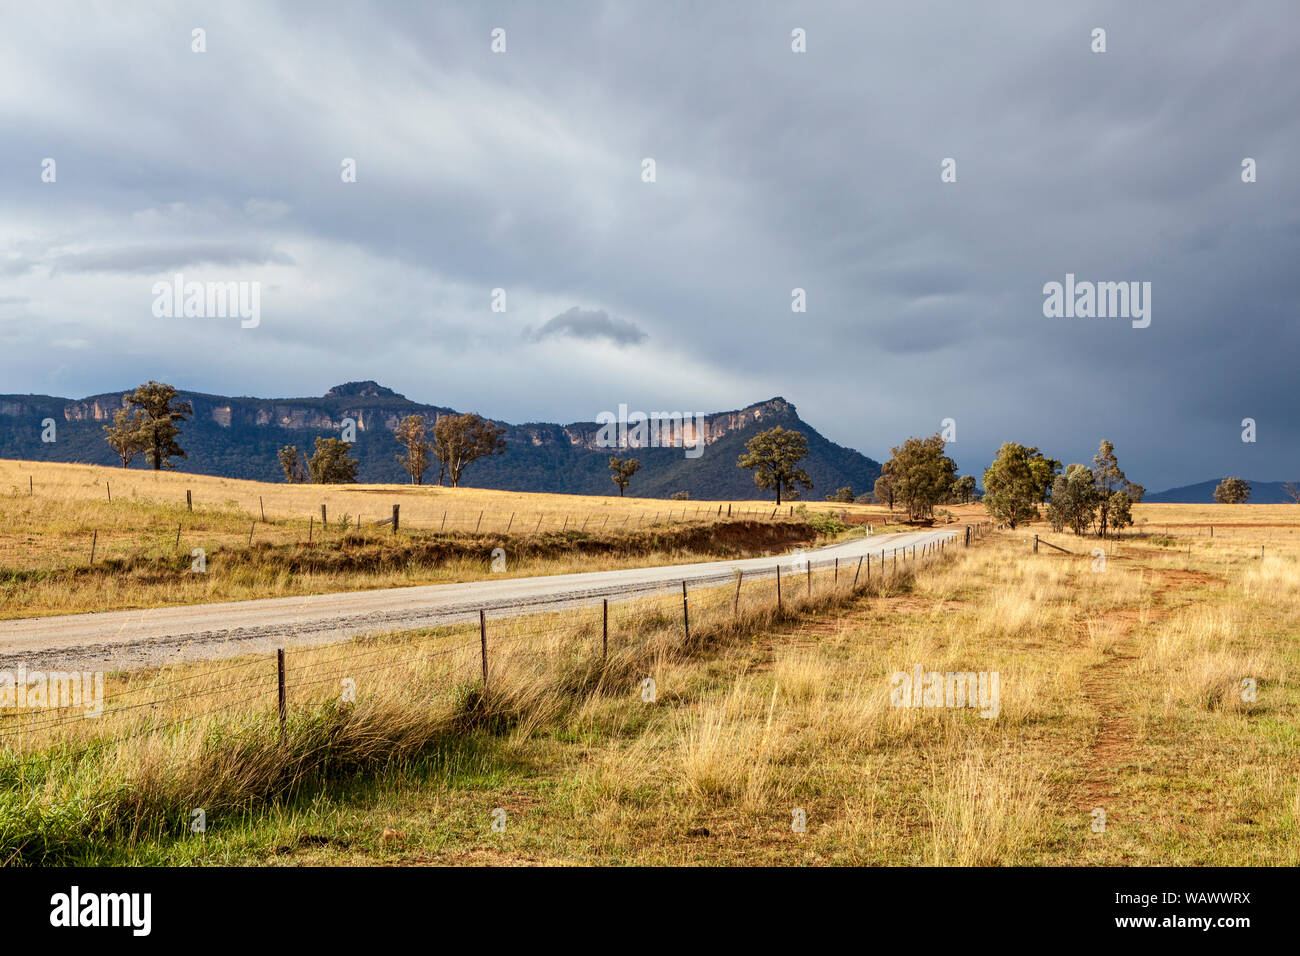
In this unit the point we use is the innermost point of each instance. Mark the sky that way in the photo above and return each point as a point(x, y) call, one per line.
point(523, 171)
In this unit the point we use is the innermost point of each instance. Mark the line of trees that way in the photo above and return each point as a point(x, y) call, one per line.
point(918, 476)
point(456, 442)
point(1097, 498)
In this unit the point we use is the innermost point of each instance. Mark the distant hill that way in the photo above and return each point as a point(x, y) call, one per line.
point(239, 437)
point(1261, 493)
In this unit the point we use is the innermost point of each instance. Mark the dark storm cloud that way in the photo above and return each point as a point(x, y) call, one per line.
point(594, 324)
point(775, 171)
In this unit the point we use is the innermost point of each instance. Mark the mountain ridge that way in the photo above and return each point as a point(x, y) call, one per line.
point(240, 437)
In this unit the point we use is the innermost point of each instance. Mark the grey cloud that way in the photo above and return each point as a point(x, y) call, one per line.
point(149, 258)
point(775, 170)
point(591, 325)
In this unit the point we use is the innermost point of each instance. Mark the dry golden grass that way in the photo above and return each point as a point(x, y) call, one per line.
point(1120, 690)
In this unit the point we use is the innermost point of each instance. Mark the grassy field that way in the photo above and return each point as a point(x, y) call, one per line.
point(268, 540)
point(1121, 703)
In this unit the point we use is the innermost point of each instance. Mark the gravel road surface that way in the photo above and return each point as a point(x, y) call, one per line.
point(123, 640)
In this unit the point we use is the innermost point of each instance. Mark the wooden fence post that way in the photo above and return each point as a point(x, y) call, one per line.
point(93, 541)
point(283, 702)
point(778, 589)
point(810, 579)
point(109, 489)
point(263, 507)
point(686, 614)
point(511, 523)
point(396, 509)
point(177, 545)
point(189, 500)
point(604, 631)
point(311, 523)
point(478, 524)
point(735, 602)
point(1035, 544)
point(482, 637)
point(324, 521)
point(251, 526)
point(837, 571)
point(859, 571)
point(444, 522)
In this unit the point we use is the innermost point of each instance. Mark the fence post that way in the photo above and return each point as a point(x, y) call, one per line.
point(177, 545)
point(1035, 544)
point(686, 614)
point(251, 526)
point(735, 602)
point(189, 501)
point(444, 522)
point(859, 571)
point(395, 510)
point(109, 489)
point(778, 589)
point(810, 579)
point(324, 521)
point(283, 702)
point(311, 523)
point(604, 632)
point(482, 637)
point(837, 571)
point(510, 524)
point(94, 541)
point(261, 505)
point(478, 523)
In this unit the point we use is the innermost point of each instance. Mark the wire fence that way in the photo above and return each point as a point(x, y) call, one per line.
point(260, 685)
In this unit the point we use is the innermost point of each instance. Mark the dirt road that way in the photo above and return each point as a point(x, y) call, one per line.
point(122, 640)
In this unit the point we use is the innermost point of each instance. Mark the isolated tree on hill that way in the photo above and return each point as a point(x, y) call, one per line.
point(1011, 485)
point(1292, 491)
point(331, 465)
point(1112, 512)
point(159, 410)
point(883, 490)
point(125, 436)
point(623, 469)
point(963, 490)
point(459, 440)
point(843, 495)
point(773, 456)
point(1075, 500)
point(412, 434)
point(922, 475)
point(291, 460)
point(1232, 491)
